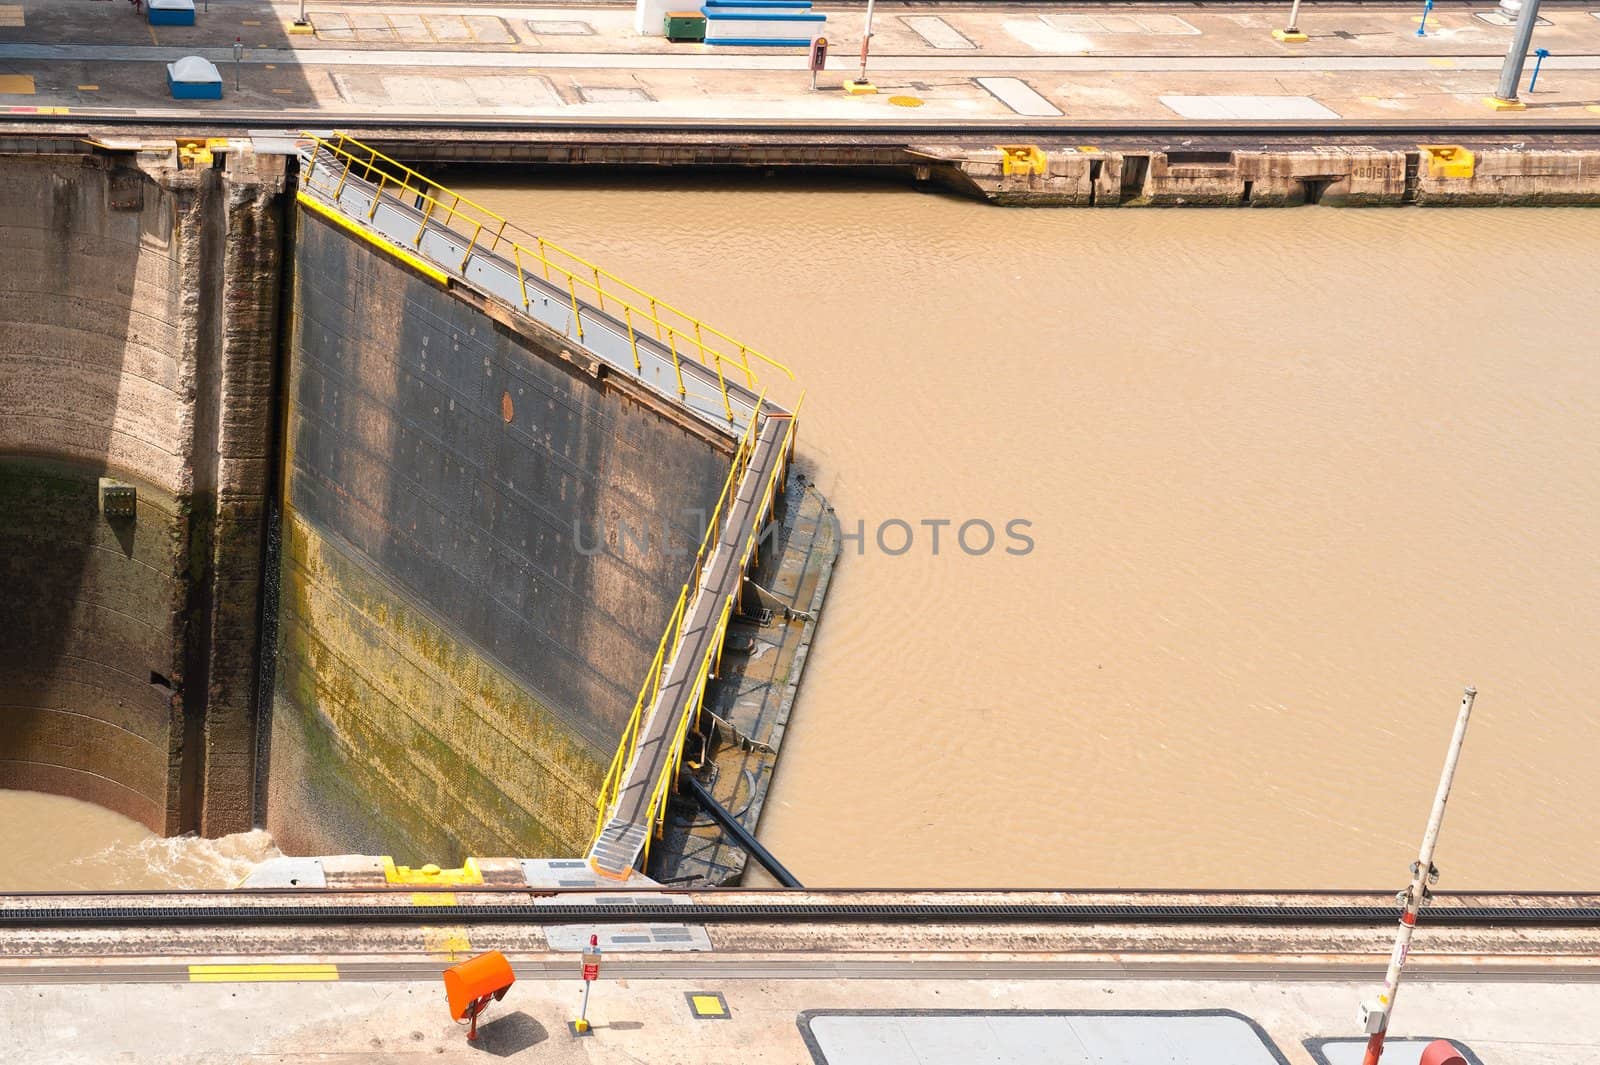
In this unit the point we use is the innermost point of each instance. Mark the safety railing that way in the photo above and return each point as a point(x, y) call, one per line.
point(711, 663)
point(611, 787)
point(332, 162)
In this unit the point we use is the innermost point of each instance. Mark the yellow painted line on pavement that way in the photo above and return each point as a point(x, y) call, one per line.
point(268, 973)
point(88, 88)
point(433, 898)
point(1440, 61)
point(424, 268)
point(153, 40)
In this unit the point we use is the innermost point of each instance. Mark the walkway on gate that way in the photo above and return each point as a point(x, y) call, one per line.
point(634, 798)
point(451, 239)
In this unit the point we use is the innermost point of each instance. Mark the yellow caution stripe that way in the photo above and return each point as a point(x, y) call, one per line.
point(424, 268)
point(284, 972)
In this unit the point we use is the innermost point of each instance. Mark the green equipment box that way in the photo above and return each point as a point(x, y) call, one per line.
point(685, 26)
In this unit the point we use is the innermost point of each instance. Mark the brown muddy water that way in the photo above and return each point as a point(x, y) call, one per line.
point(1284, 481)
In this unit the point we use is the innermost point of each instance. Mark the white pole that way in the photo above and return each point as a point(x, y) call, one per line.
point(1294, 18)
point(866, 40)
point(1422, 874)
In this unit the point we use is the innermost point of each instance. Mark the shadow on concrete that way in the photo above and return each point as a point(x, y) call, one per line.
point(87, 317)
point(510, 1034)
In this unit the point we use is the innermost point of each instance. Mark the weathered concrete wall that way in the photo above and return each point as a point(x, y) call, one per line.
point(453, 671)
point(93, 611)
point(1336, 176)
point(128, 649)
point(1524, 176)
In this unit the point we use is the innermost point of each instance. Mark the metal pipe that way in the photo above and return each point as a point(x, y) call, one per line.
point(1294, 19)
point(1511, 70)
point(741, 835)
point(1422, 874)
point(866, 41)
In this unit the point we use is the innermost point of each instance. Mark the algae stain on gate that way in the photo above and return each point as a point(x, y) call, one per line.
point(390, 732)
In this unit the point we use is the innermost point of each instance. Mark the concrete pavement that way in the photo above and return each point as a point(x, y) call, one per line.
point(650, 1019)
point(932, 64)
point(921, 989)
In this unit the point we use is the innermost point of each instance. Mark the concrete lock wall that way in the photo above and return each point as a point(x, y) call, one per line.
point(1331, 176)
point(453, 668)
point(136, 343)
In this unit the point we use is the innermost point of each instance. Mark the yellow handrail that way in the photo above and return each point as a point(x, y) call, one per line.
point(655, 814)
point(647, 693)
point(668, 647)
point(468, 220)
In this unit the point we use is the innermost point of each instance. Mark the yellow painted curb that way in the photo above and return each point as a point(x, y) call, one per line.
point(424, 268)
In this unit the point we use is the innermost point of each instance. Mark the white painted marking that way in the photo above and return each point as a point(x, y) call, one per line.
point(409, 91)
point(606, 94)
point(1042, 37)
point(1247, 107)
point(1020, 97)
point(1500, 18)
point(1147, 22)
point(560, 28)
point(936, 31)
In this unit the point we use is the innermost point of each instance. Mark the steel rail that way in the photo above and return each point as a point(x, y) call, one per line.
point(782, 913)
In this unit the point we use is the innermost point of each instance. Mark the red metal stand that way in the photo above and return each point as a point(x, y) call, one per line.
point(472, 1012)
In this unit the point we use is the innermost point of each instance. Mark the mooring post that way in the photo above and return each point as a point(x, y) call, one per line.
point(1294, 18)
point(861, 84)
point(1376, 1015)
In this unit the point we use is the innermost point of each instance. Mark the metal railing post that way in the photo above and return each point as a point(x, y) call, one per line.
point(577, 317)
point(633, 341)
point(672, 344)
point(522, 278)
point(426, 215)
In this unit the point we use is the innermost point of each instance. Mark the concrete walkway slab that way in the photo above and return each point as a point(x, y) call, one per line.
point(1362, 63)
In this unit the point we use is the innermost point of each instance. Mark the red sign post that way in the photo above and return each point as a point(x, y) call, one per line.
point(591, 973)
point(819, 59)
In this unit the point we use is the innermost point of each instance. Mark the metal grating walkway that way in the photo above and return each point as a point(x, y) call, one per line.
point(621, 842)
